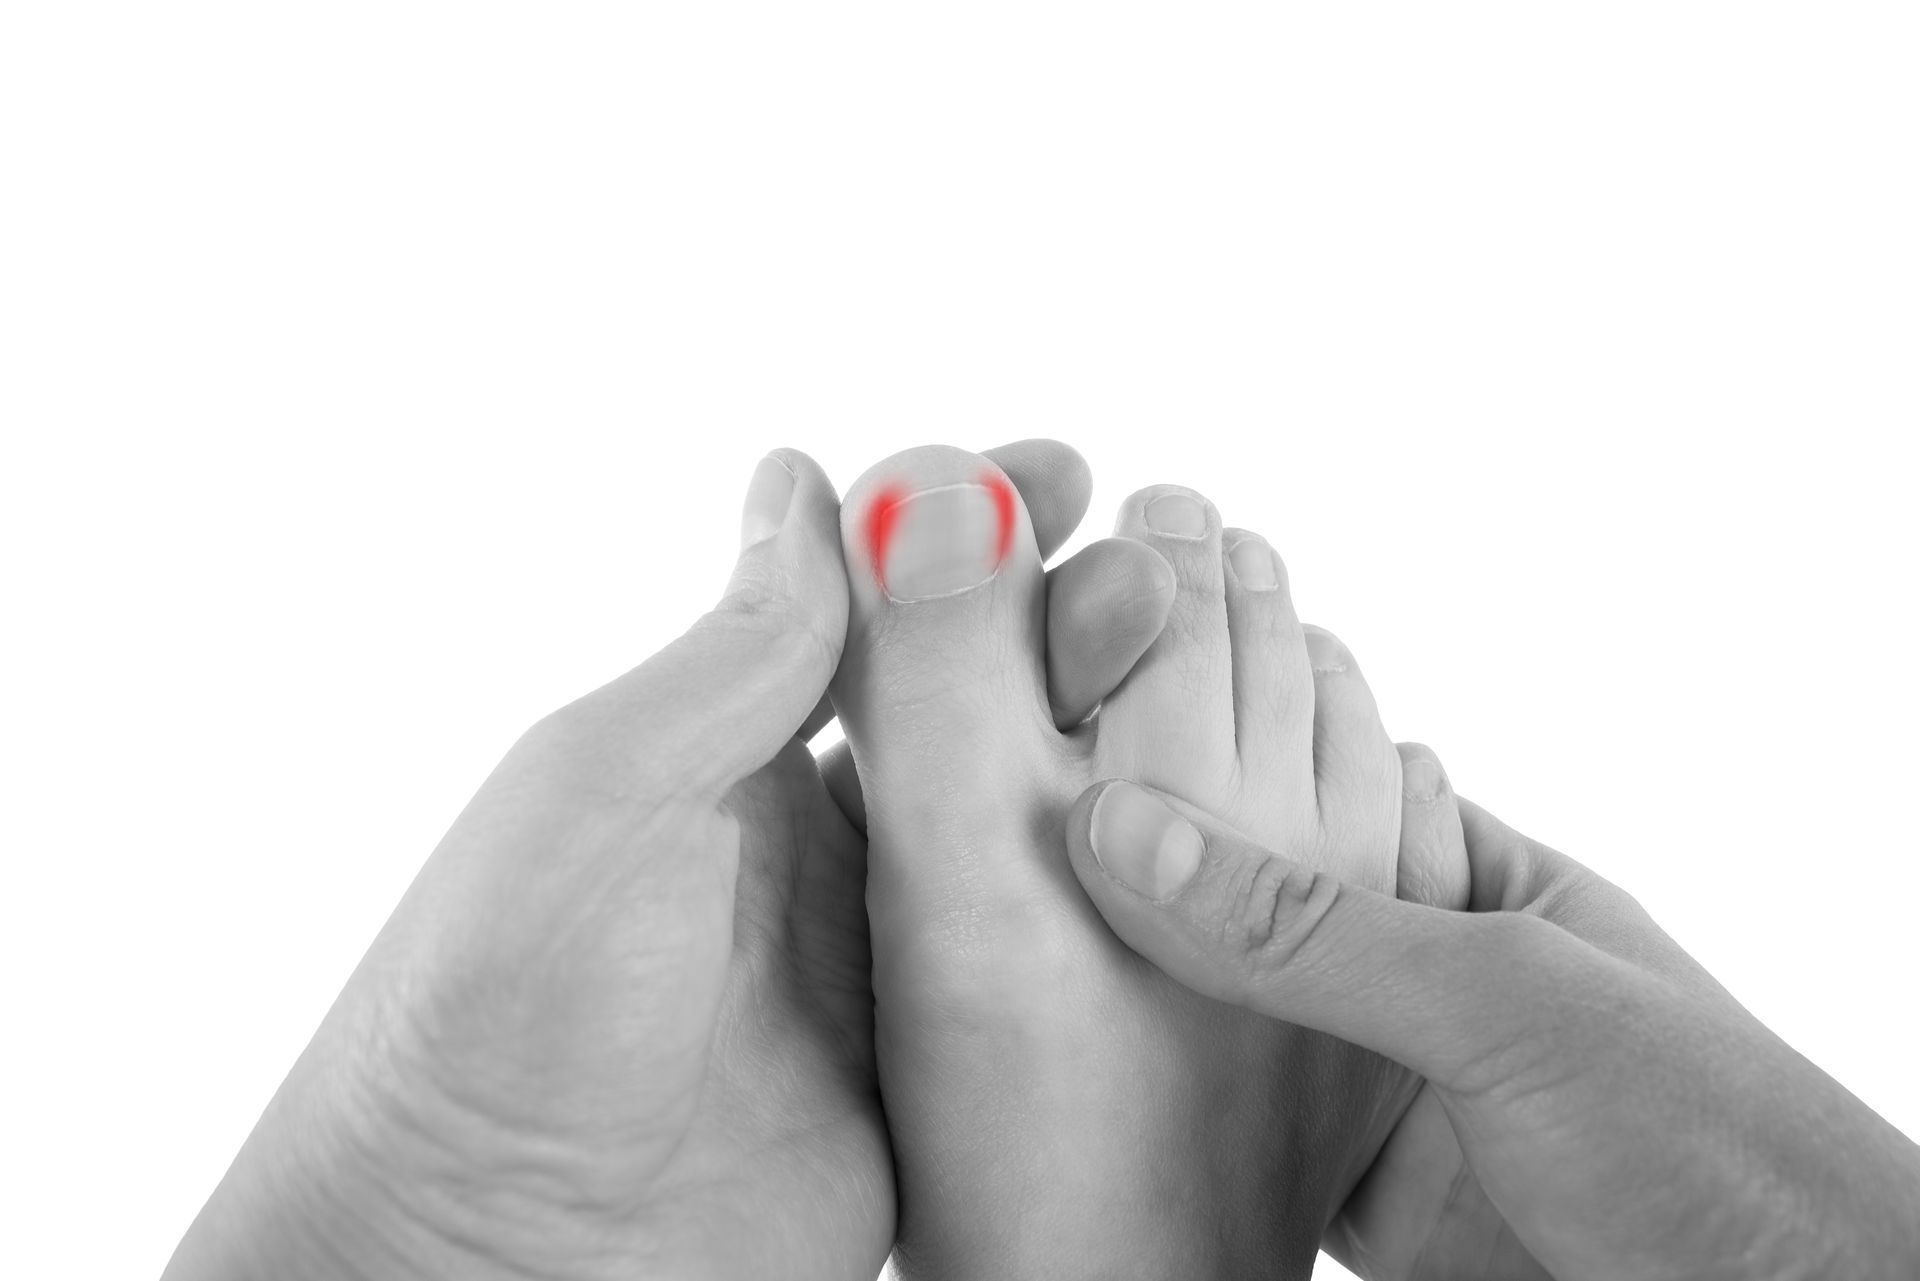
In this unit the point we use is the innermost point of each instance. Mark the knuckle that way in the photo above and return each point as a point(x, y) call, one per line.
point(1279, 909)
point(778, 622)
point(1521, 940)
point(557, 736)
point(562, 759)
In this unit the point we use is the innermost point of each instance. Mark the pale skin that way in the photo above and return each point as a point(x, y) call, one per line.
point(621, 1024)
point(1626, 1116)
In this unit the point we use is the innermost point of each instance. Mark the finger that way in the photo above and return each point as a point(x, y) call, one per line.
point(1105, 606)
point(721, 701)
point(1509, 870)
point(1433, 866)
point(1055, 484)
point(1442, 992)
point(1513, 872)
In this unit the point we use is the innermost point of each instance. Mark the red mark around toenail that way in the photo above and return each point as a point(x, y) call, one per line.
point(883, 515)
point(1003, 505)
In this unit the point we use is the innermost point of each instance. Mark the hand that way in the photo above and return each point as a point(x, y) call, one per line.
point(626, 998)
point(622, 1019)
point(1620, 1109)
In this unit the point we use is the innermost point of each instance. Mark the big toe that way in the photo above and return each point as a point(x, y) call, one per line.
point(942, 687)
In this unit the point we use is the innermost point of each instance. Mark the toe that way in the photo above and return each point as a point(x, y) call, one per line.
point(1170, 723)
point(1355, 768)
point(1433, 866)
point(941, 689)
point(1272, 678)
point(1105, 606)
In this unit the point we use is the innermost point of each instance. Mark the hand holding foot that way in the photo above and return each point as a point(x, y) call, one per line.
point(624, 1005)
point(1059, 1108)
point(1621, 1110)
point(621, 1024)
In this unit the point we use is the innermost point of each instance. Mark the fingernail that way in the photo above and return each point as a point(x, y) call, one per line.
point(1420, 778)
point(938, 542)
point(1142, 843)
point(768, 497)
point(1253, 564)
point(1324, 653)
point(1177, 516)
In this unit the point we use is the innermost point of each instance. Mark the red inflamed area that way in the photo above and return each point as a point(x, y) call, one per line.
point(883, 516)
point(1003, 507)
point(883, 519)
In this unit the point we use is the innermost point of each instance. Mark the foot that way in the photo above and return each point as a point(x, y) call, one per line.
point(1058, 1106)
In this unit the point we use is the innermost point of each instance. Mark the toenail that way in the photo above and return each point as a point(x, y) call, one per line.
point(1253, 564)
point(1420, 778)
point(938, 542)
point(768, 497)
point(1177, 516)
point(1142, 843)
point(1326, 654)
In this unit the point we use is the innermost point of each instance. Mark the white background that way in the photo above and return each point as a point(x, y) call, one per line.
point(375, 377)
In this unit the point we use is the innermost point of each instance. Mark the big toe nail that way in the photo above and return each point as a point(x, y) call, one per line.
point(939, 541)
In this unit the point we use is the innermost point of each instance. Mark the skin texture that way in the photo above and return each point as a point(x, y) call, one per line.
point(1625, 1117)
point(1419, 1211)
point(620, 1024)
point(1058, 1108)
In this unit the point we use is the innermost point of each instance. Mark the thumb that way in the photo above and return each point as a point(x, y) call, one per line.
point(722, 700)
point(1441, 992)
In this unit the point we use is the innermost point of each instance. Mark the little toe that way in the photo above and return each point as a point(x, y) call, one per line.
point(1433, 867)
point(1170, 723)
